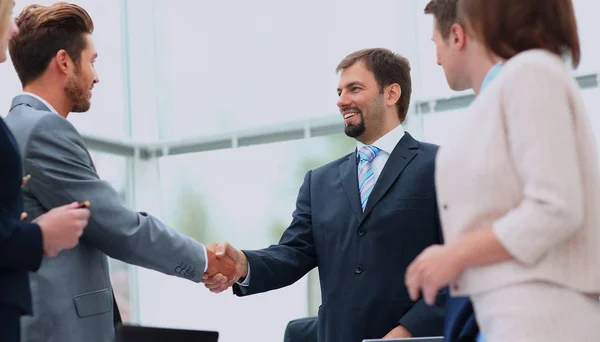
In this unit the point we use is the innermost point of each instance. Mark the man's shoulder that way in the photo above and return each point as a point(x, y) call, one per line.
point(23, 118)
point(428, 148)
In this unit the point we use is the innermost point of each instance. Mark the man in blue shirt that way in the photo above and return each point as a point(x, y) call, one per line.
point(451, 42)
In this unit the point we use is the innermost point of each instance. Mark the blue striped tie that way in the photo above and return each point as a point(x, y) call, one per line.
point(366, 178)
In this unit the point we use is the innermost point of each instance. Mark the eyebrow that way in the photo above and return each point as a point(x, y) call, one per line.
point(351, 84)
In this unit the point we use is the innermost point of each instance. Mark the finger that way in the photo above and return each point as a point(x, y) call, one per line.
point(216, 279)
point(430, 294)
point(215, 286)
point(219, 290)
point(413, 284)
point(82, 213)
point(72, 205)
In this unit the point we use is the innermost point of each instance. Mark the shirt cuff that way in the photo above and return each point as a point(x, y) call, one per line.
point(246, 281)
point(205, 258)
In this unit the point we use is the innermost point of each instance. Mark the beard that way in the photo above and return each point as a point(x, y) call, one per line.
point(77, 94)
point(355, 130)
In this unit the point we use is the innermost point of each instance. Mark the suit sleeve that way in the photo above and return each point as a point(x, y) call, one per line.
point(22, 248)
point(285, 263)
point(62, 172)
point(423, 320)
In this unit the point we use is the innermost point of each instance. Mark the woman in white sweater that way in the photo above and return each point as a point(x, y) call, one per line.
point(519, 187)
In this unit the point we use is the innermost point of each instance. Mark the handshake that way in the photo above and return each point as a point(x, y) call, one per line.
point(226, 266)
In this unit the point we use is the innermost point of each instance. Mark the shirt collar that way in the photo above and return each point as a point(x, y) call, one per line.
point(388, 142)
point(41, 100)
point(491, 75)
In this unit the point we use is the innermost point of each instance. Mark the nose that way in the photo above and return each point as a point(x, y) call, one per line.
point(343, 101)
point(96, 79)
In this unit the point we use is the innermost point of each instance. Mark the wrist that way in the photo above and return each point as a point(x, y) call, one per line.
point(460, 252)
point(243, 264)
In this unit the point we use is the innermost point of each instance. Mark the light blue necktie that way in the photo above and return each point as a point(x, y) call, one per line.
point(366, 178)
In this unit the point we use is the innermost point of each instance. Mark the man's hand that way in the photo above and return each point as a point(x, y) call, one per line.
point(224, 265)
point(61, 227)
point(434, 268)
point(236, 267)
point(398, 332)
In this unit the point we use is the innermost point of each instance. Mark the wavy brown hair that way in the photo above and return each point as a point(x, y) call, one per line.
point(43, 32)
point(508, 27)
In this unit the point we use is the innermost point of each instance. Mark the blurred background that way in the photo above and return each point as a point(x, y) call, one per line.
point(209, 113)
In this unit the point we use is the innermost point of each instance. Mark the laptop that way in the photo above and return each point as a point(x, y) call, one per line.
point(415, 339)
point(133, 333)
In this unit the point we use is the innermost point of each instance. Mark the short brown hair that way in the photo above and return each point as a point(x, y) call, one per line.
point(445, 13)
point(45, 30)
point(388, 68)
point(508, 27)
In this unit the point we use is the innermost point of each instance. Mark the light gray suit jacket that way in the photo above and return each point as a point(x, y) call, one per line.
point(72, 297)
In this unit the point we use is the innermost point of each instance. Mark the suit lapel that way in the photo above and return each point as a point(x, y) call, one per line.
point(401, 156)
point(349, 176)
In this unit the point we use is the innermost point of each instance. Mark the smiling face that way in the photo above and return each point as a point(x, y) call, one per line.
point(361, 102)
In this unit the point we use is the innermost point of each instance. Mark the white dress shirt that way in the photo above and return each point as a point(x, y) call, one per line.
point(386, 144)
point(41, 100)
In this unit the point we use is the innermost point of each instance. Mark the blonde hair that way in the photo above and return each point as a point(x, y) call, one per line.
point(5, 13)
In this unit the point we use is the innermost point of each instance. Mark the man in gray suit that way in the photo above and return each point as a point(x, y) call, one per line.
point(54, 56)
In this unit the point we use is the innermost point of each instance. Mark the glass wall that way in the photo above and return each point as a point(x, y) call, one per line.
point(245, 196)
point(267, 61)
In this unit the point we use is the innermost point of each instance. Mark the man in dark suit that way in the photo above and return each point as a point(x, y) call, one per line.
point(362, 218)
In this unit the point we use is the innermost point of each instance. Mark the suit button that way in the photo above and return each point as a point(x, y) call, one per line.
point(23, 216)
point(362, 232)
point(25, 180)
point(358, 270)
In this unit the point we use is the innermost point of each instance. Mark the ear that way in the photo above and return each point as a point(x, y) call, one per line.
point(392, 94)
point(458, 37)
point(62, 61)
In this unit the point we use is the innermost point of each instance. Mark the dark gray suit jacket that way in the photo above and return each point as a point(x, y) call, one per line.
point(72, 299)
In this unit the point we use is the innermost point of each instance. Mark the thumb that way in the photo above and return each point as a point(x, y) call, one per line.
point(73, 205)
point(222, 249)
